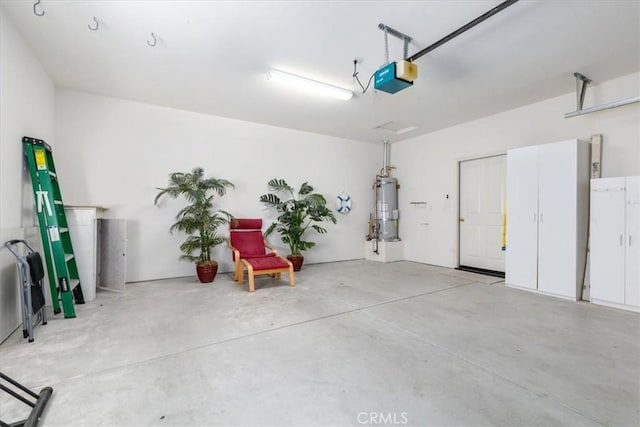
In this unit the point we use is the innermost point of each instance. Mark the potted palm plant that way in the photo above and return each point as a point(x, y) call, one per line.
point(297, 212)
point(198, 219)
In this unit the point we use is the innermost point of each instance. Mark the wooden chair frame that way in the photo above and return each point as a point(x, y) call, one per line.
point(241, 263)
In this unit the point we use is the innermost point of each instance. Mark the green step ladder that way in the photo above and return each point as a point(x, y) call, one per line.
point(62, 269)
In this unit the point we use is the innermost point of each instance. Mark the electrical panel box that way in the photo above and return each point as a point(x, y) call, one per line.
point(387, 80)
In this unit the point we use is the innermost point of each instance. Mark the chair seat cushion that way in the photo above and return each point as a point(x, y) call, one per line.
point(268, 255)
point(267, 263)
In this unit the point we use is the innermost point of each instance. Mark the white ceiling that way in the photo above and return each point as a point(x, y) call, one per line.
point(212, 56)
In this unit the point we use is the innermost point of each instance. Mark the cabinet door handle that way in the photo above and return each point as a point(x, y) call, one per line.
point(621, 240)
point(541, 218)
point(534, 217)
point(629, 240)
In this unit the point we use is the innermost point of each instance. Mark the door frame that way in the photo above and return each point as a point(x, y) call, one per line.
point(460, 160)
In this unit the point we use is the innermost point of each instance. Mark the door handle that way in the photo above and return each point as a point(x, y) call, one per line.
point(461, 219)
point(629, 240)
point(621, 240)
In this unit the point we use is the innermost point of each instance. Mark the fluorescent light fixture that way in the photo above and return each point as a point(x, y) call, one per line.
point(308, 85)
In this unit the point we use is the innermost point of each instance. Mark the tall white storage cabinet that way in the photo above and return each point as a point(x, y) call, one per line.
point(615, 242)
point(83, 228)
point(521, 258)
point(100, 248)
point(547, 217)
point(632, 265)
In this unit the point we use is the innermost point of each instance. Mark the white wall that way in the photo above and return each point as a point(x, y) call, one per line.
point(428, 165)
point(27, 100)
point(114, 153)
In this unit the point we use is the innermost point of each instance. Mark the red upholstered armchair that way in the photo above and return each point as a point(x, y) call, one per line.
point(250, 250)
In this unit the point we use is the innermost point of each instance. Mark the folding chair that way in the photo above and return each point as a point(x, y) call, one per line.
point(31, 273)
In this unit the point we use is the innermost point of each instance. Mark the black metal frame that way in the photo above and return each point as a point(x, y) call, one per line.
point(37, 406)
point(462, 29)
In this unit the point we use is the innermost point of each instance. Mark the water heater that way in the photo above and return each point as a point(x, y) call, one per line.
point(386, 208)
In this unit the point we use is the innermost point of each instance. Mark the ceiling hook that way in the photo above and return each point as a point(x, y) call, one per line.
point(34, 9)
point(155, 41)
point(97, 25)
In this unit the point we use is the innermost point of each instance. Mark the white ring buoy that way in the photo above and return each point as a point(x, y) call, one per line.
point(343, 203)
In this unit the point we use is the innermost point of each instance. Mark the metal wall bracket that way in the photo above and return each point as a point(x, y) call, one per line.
point(582, 83)
point(581, 88)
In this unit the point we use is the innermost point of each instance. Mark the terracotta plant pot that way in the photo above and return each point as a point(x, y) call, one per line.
point(296, 260)
point(207, 271)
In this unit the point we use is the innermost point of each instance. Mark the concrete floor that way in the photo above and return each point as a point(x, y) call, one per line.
point(354, 343)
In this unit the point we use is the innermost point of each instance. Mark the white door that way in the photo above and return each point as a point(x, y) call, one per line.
point(557, 229)
point(482, 194)
point(607, 240)
point(632, 292)
point(522, 218)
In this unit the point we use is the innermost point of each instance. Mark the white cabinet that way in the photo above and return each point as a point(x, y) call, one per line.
point(632, 265)
point(113, 252)
point(615, 242)
point(99, 246)
point(83, 228)
point(521, 258)
point(547, 215)
point(607, 256)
